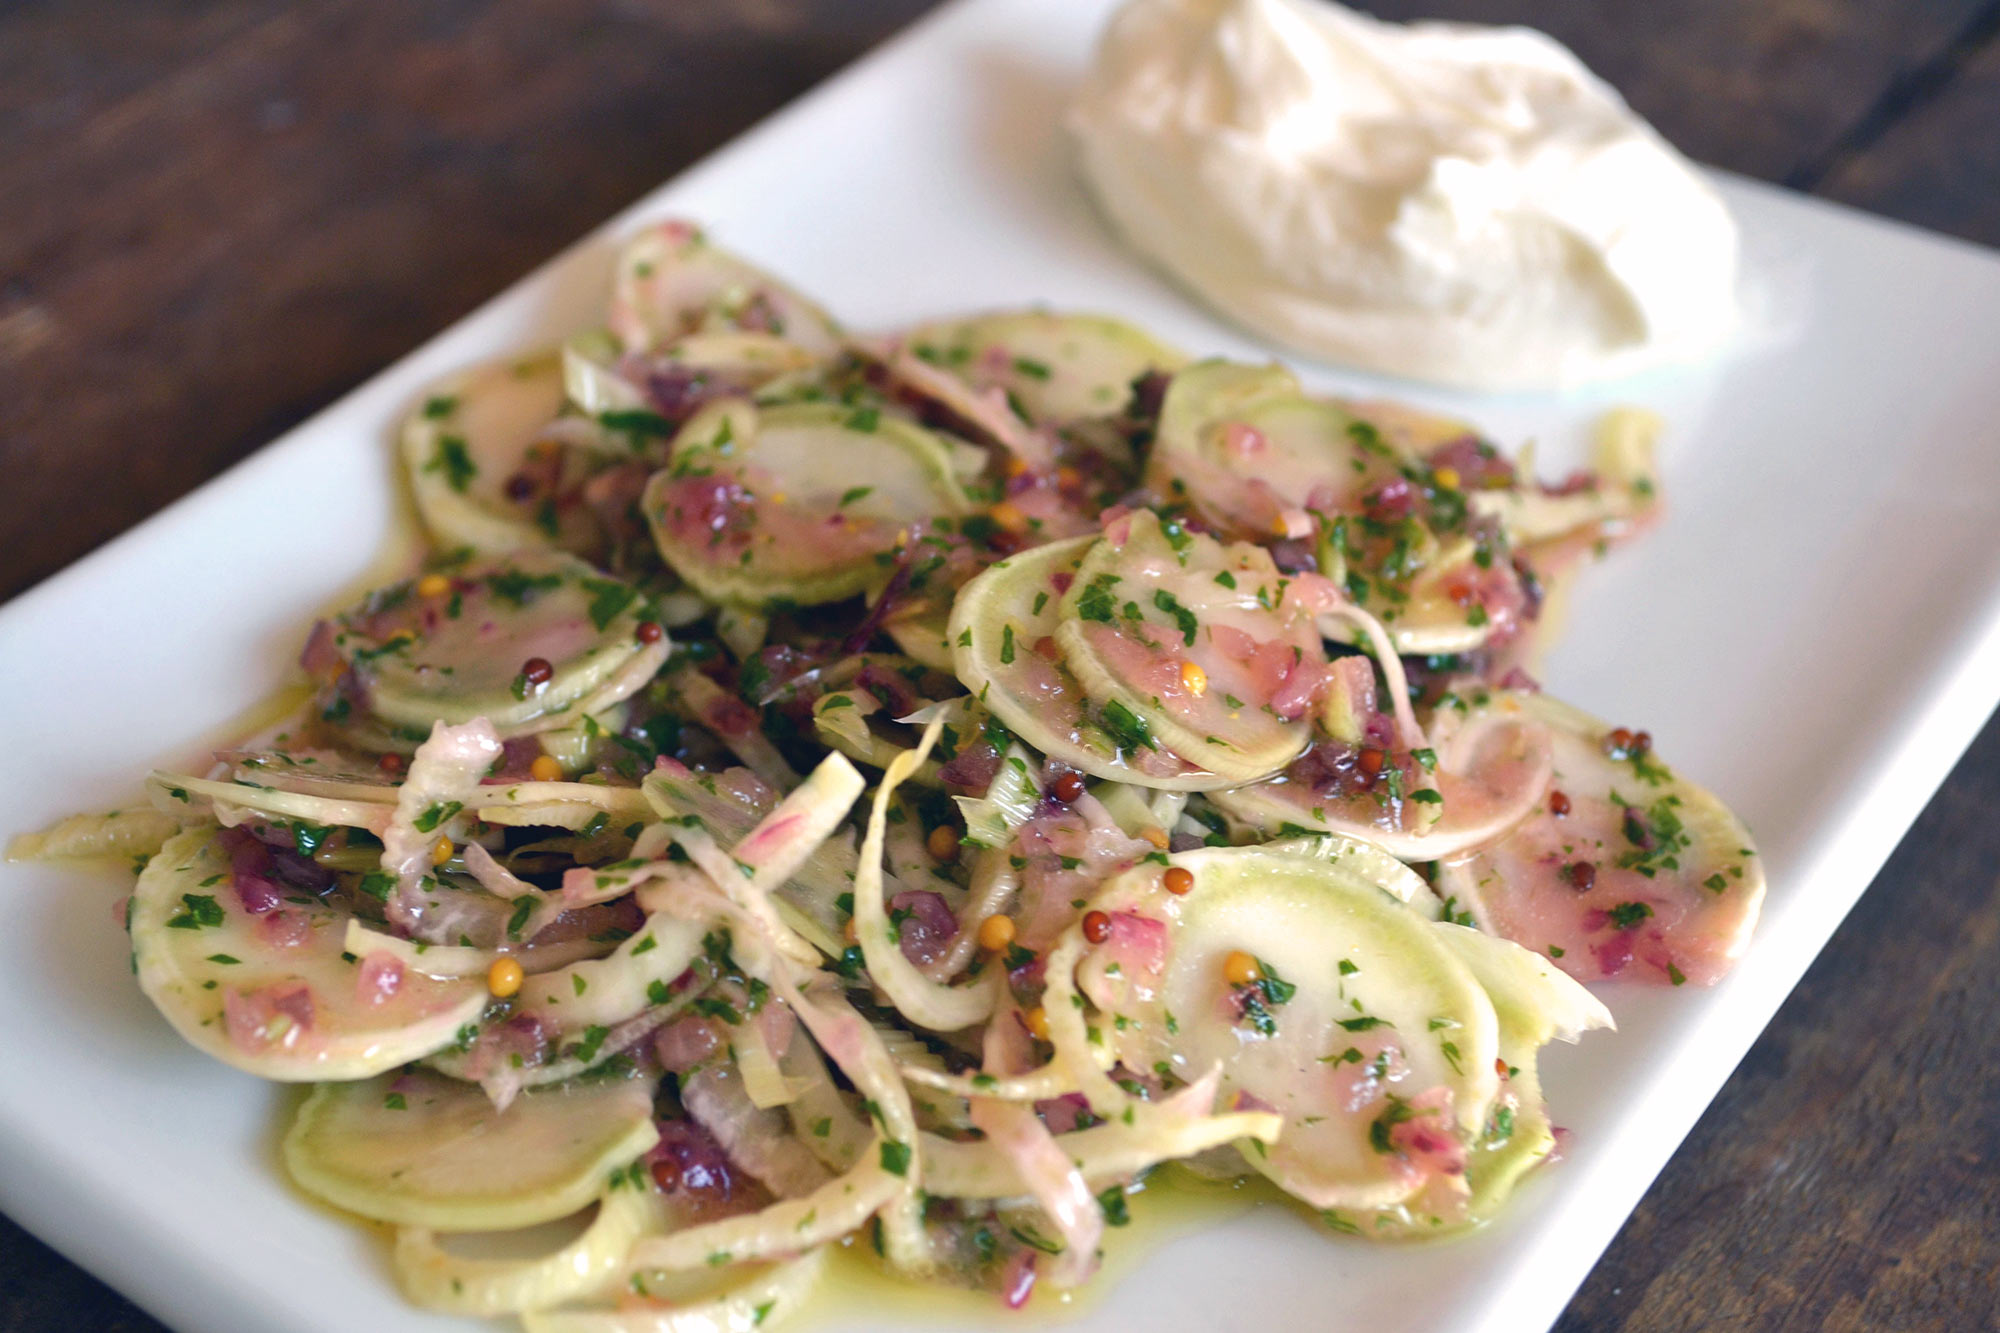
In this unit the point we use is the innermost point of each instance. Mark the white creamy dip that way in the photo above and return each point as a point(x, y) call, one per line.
point(1460, 204)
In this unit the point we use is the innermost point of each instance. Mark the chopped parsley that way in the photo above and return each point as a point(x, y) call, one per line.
point(608, 598)
point(436, 814)
point(1095, 602)
point(452, 459)
point(1624, 916)
point(1183, 618)
point(1126, 728)
point(197, 911)
point(1262, 998)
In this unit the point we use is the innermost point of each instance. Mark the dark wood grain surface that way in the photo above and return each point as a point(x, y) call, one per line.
point(215, 218)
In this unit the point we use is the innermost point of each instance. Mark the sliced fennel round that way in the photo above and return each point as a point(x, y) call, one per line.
point(1624, 496)
point(1362, 1020)
point(924, 638)
point(796, 504)
point(276, 995)
point(671, 283)
point(1455, 596)
point(1672, 885)
point(1493, 763)
point(1197, 642)
point(851, 718)
point(1535, 1004)
point(1002, 631)
point(465, 652)
point(467, 438)
point(119, 834)
point(1057, 368)
point(1244, 444)
point(438, 1279)
point(422, 1150)
point(682, 1303)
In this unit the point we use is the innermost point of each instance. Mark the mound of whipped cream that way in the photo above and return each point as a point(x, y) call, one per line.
point(1459, 204)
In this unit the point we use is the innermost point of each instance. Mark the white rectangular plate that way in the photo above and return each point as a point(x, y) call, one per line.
point(1814, 632)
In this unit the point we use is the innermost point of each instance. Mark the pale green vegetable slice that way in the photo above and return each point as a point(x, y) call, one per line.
point(121, 833)
point(438, 1279)
point(1058, 368)
point(925, 638)
point(1002, 631)
point(422, 1150)
point(464, 442)
point(1671, 884)
point(928, 1003)
point(595, 374)
point(1492, 766)
point(1626, 492)
point(1197, 642)
point(729, 805)
point(852, 718)
point(328, 773)
point(1428, 612)
point(591, 379)
point(276, 995)
point(609, 990)
point(1344, 967)
point(671, 283)
point(1535, 1004)
point(1179, 1126)
point(796, 504)
point(464, 652)
point(1009, 802)
point(1245, 444)
point(760, 1299)
point(200, 797)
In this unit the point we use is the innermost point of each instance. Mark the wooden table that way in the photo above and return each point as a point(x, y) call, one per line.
point(216, 218)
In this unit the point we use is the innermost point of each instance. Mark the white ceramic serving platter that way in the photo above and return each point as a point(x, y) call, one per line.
point(1815, 632)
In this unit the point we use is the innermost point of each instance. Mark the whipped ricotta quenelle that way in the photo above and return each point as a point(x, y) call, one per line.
point(1460, 204)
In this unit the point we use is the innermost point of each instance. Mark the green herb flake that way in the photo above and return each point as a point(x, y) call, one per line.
point(436, 814)
point(1624, 916)
point(451, 458)
point(1183, 618)
point(1126, 728)
point(1095, 602)
point(608, 599)
point(198, 910)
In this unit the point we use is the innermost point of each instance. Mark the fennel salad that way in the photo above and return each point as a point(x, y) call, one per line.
point(897, 793)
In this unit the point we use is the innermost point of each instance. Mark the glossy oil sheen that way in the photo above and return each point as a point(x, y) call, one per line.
point(1814, 633)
